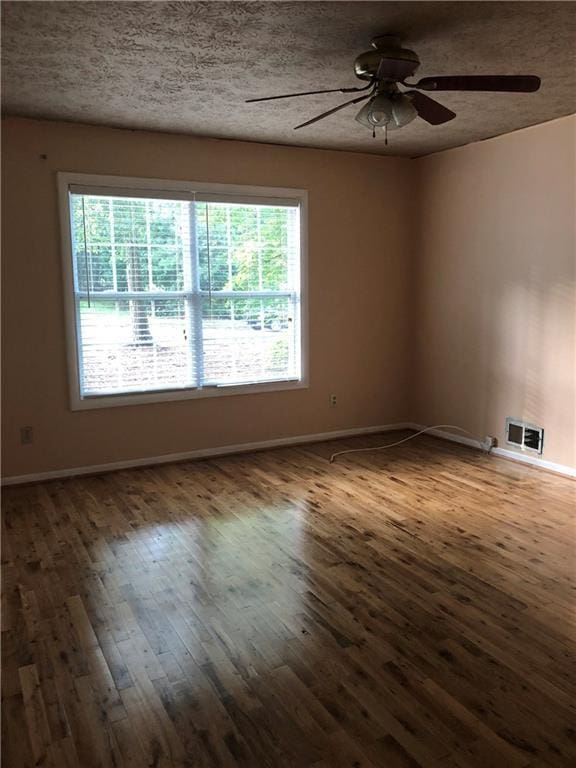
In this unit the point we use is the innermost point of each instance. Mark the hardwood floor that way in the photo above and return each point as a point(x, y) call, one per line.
point(405, 608)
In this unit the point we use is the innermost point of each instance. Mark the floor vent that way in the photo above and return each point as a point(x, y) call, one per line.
point(524, 436)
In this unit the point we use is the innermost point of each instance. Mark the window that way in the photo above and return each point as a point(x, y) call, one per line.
point(180, 290)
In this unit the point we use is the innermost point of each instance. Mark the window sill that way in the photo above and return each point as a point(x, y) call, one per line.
point(166, 396)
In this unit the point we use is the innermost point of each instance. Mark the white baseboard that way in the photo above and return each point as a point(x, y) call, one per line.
point(505, 453)
point(561, 469)
point(201, 453)
point(454, 437)
point(224, 450)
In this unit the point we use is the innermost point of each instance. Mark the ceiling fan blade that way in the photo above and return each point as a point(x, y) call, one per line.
point(310, 93)
point(331, 111)
point(505, 83)
point(429, 109)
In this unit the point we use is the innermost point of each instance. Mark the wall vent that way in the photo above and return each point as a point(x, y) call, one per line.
point(525, 436)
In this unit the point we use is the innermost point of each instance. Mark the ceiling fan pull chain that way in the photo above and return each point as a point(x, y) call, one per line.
point(386, 135)
point(373, 132)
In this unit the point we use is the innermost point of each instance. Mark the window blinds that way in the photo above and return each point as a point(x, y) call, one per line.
point(184, 294)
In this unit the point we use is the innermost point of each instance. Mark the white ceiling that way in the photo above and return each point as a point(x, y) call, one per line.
point(187, 67)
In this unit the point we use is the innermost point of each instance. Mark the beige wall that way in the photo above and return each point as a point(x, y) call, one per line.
point(496, 286)
point(360, 253)
point(441, 291)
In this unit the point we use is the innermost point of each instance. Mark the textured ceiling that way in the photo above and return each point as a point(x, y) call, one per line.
point(187, 67)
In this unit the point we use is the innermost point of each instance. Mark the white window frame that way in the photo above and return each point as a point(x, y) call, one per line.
point(185, 190)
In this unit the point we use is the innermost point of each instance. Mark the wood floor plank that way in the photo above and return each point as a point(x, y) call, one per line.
point(35, 712)
point(397, 609)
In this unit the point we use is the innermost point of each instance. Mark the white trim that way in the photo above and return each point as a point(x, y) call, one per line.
point(72, 321)
point(201, 453)
point(561, 469)
point(92, 402)
point(88, 182)
point(182, 190)
point(260, 445)
point(454, 437)
point(505, 453)
point(302, 316)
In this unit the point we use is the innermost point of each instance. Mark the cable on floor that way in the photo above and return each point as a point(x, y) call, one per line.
point(410, 437)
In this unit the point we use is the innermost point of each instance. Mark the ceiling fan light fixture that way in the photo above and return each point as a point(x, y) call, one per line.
point(403, 111)
point(387, 110)
point(376, 113)
point(362, 116)
point(381, 111)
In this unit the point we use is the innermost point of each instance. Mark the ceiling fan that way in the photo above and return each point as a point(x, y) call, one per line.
point(387, 107)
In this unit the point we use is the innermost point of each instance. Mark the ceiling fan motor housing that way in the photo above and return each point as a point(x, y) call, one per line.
point(388, 59)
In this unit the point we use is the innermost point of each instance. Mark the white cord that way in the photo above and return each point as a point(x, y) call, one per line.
point(405, 440)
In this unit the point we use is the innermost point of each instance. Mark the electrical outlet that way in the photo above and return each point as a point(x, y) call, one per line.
point(333, 401)
point(26, 435)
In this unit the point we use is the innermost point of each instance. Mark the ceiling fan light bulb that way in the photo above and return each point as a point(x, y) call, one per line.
point(379, 119)
point(380, 112)
point(376, 113)
point(362, 116)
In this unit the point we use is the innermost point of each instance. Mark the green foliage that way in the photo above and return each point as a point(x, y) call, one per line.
point(144, 234)
point(123, 244)
point(248, 247)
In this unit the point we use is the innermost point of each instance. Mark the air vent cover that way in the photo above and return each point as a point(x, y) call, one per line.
point(525, 436)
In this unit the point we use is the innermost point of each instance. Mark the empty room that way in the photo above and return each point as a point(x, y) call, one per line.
point(288, 384)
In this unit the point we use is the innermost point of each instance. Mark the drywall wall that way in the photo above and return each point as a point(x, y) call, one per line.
point(441, 291)
point(360, 252)
point(496, 277)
